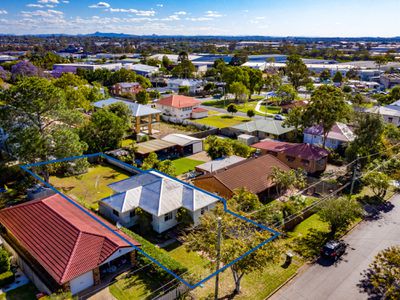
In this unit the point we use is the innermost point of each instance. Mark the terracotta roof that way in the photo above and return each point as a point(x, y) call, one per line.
point(253, 174)
point(199, 110)
point(178, 101)
point(303, 151)
point(62, 238)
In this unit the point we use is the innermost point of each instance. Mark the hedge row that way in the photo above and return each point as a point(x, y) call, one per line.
point(6, 278)
point(157, 253)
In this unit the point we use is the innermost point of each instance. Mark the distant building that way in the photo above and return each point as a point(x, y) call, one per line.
point(144, 70)
point(122, 88)
point(389, 114)
point(61, 246)
point(195, 86)
point(390, 80)
point(310, 158)
point(59, 69)
point(340, 135)
point(157, 194)
point(181, 107)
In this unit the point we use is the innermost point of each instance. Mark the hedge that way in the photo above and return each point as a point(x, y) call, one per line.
point(158, 254)
point(6, 278)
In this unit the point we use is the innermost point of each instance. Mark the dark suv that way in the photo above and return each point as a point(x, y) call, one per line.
point(333, 249)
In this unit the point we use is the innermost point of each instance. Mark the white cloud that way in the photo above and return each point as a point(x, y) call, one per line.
point(199, 19)
point(259, 18)
point(3, 12)
point(143, 13)
point(50, 13)
point(160, 5)
point(100, 5)
point(65, 1)
point(182, 13)
point(213, 14)
point(48, 1)
point(34, 5)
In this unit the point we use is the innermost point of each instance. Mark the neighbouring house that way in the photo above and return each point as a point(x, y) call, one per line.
point(144, 116)
point(287, 108)
point(311, 158)
point(390, 80)
point(339, 136)
point(180, 107)
point(263, 128)
point(195, 86)
point(122, 88)
point(253, 174)
point(389, 114)
point(187, 145)
point(60, 245)
point(218, 164)
point(144, 70)
point(160, 196)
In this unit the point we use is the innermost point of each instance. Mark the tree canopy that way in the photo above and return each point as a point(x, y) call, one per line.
point(297, 71)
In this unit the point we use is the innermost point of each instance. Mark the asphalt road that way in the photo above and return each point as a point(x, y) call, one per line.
point(340, 280)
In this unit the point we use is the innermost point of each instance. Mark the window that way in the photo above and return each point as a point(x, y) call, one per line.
point(390, 120)
point(132, 214)
point(290, 158)
point(116, 213)
point(168, 216)
point(204, 210)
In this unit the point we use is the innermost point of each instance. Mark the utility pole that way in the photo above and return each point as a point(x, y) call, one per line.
point(353, 179)
point(218, 258)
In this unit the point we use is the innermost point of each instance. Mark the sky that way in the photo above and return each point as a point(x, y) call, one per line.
point(322, 18)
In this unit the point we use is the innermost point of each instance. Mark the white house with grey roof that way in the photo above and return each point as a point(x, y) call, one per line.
point(157, 194)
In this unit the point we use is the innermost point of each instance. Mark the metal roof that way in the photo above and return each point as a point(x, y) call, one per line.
point(138, 110)
point(269, 126)
point(156, 194)
point(220, 163)
point(181, 139)
point(153, 146)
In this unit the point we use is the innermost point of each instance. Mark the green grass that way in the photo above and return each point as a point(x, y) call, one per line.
point(313, 222)
point(244, 107)
point(222, 121)
point(90, 187)
point(191, 260)
point(270, 109)
point(25, 292)
point(136, 286)
point(184, 165)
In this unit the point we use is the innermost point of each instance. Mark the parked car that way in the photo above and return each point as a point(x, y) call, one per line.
point(279, 117)
point(333, 249)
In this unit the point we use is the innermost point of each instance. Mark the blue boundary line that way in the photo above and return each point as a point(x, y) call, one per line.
point(275, 233)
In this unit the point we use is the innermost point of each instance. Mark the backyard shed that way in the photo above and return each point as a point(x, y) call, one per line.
point(247, 139)
point(187, 145)
point(160, 147)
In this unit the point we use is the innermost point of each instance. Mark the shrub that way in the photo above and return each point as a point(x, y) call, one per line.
point(4, 261)
point(6, 278)
point(158, 254)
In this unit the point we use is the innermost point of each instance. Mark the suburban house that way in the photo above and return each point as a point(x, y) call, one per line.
point(389, 114)
point(311, 158)
point(218, 164)
point(144, 117)
point(159, 195)
point(186, 144)
point(181, 107)
point(123, 88)
point(253, 174)
point(263, 128)
point(390, 80)
point(144, 70)
point(60, 245)
point(340, 135)
point(195, 86)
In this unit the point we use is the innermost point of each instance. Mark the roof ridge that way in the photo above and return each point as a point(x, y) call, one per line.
point(160, 196)
point(67, 267)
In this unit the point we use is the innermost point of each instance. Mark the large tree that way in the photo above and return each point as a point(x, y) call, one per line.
point(326, 107)
point(286, 93)
point(239, 90)
point(297, 71)
point(339, 213)
point(379, 183)
point(382, 279)
point(237, 237)
point(36, 118)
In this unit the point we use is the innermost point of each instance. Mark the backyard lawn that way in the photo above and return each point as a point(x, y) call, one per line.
point(184, 165)
point(222, 121)
point(25, 292)
point(244, 107)
point(136, 286)
point(90, 187)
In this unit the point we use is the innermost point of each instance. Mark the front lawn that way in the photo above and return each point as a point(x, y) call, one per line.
point(184, 165)
point(222, 121)
point(25, 292)
point(90, 187)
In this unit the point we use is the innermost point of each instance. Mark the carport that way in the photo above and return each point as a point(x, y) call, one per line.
point(187, 145)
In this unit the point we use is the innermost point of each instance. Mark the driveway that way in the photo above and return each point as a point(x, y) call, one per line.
point(339, 281)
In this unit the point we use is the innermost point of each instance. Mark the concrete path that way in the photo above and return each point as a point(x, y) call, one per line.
point(340, 280)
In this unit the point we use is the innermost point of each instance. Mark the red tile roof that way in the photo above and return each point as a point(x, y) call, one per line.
point(62, 238)
point(178, 101)
point(303, 151)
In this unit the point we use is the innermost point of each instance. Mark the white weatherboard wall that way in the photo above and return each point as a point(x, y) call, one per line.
point(81, 282)
point(198, 147)
point(160, 225)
